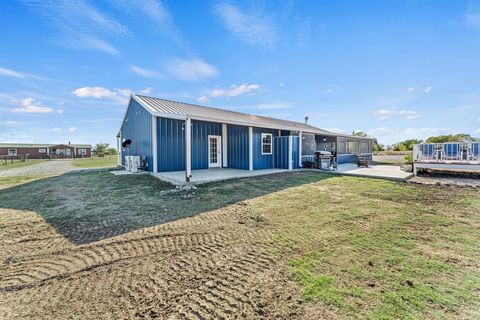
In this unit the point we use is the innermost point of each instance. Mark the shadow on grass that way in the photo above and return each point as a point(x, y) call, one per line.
point(86, 207)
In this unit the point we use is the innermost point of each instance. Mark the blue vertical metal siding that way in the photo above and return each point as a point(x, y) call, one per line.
point(281, 157)
point(170, 145)
point(137, 126)
point(280, 152)
point(262, 161)
point(200, 132)
point(237, 145)
point(295, 151)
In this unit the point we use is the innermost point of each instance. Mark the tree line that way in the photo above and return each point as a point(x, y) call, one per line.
point(407, 145)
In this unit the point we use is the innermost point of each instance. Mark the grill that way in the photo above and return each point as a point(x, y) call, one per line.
point(325, 160)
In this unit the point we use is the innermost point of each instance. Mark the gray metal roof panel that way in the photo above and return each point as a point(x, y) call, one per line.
point(215, 114)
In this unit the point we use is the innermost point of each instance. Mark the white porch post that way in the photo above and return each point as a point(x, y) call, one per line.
point(119, 149)
point(300, 133)
point(154, 144)
point(250, 148)
point(224, 146)
point(290, 152)
point(188, 149)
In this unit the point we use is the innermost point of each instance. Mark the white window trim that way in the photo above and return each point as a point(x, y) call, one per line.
point(42, 150)
point(12, 149)
point(271, 143)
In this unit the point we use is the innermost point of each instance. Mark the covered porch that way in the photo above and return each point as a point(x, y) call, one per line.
point(211, 175)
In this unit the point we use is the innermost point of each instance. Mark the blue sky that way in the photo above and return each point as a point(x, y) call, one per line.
point(395, 69)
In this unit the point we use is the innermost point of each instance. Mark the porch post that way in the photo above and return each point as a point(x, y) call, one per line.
point(154, 144)
point(290, 152)
point(224, 146)
point(250, 148)
point(300, 133)
point(188, 149)
point(119, 151)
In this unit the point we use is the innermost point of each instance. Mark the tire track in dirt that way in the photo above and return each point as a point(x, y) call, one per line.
point(212, 266)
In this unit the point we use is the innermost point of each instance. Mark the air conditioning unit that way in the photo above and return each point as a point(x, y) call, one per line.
point(135, 163)
point(127, 163)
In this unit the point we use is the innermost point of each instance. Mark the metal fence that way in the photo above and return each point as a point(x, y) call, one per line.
point(450, 151)
point(6, 159)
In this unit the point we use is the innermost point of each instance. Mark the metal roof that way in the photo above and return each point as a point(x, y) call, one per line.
point(39, 145)
point(180, 110)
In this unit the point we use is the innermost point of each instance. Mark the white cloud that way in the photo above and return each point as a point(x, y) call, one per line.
point(12, 124)
point(428, 89)
point(191, 70)
point(275, 106)
point(72, 129)
point(478, 130)
point(332, 89)
point(94, 92)
point(253, 27)
point(281, 84)
point(147, 90)
point(30, 105)
point(202, 99)
point(408, 114)
point(144, 72)
point(92, 42)
point(384, 114)
point(56, 129)
point(11, 73)
point(411, 89)
point(79, 23)
point(235, 90)
point(18, 74)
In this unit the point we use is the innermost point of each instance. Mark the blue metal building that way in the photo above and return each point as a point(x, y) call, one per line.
point(175, 136)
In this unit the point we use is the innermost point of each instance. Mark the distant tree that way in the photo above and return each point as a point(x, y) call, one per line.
point(405, 145)
point(377, 146)
point(100, 148)
point(359, 134)
point(112, 151)
point(459, 137)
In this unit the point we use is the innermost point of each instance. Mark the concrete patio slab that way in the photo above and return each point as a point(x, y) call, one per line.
point(374, 171)
point(213, 174)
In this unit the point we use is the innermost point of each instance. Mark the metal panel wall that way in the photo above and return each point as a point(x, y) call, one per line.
point(137, 126)
point(200, 132)
point(170, 144)
point(262, 161)
point(280, 152)
point(237, 144)
point(295, 151)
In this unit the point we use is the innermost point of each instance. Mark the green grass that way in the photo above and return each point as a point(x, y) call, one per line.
point(19, 164)
point(380, 250)
point(97, 162)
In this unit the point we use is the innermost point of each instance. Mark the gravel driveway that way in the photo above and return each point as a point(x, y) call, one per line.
point(43, 168)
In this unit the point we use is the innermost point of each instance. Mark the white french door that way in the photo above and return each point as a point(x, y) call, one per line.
point(214, 151)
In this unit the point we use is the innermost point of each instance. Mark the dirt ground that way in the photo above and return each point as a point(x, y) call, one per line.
point(299, 246)
point(215, 265)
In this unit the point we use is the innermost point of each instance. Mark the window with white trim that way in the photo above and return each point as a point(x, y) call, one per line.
point(42, 150)
point(82, 152)
point(12, 152)
point(266, 143)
